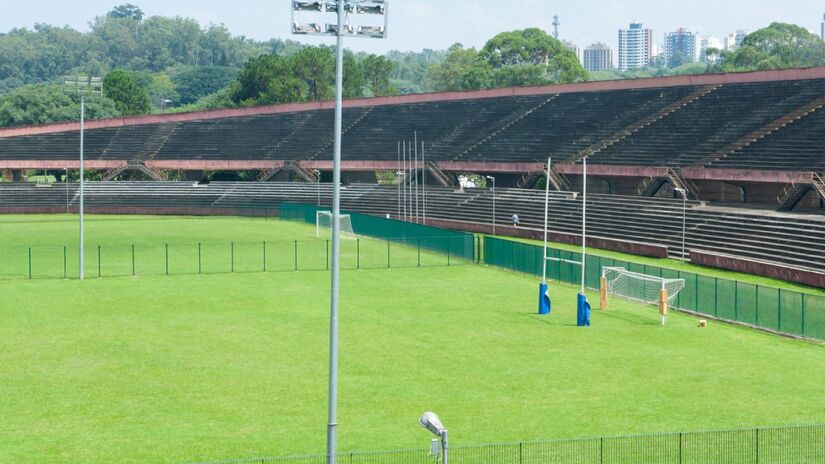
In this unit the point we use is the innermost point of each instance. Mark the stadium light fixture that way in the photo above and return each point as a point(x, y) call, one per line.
point(494, 202)
point(315, 25)
point(82, 85)
point(683, 193)
point(431, 422)
point(343, 27)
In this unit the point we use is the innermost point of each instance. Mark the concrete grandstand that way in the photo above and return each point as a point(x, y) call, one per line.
point(742, 145)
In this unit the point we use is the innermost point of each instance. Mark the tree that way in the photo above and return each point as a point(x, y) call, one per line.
point(129, 99)
point(777, 46)
point(194, 82)
point(377, 71)
point(531, 57)
point(462, 69)
point(678, 59)
point(43, 104)
point(127, 11)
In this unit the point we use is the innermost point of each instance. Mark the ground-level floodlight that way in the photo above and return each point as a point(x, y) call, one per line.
point(82, 85)
point(431, 422)
point(313, 15)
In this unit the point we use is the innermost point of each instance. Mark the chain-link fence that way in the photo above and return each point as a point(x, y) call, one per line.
point(784, 311)
point(784, 445)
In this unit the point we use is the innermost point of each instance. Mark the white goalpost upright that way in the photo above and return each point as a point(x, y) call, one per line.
point(640, 287)
point(323, 224)
point(545, 304)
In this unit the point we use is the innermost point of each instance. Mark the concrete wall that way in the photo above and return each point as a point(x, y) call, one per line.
point(777, 271)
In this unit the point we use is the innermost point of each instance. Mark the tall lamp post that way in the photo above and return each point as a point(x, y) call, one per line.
point(316, 13)
point(82, 85)
point(432, 423)
point(683, 193)
point(66, 180)
point(494, 202)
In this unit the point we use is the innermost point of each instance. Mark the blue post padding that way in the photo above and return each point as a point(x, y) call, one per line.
point(583, 319)
point(544, 300)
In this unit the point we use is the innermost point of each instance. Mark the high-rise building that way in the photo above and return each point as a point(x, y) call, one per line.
point(682, 44)
point(635, 47)
point(573, 48)
point(740, 36)
point(598, 57)
point(822, 28)
point(730, 42)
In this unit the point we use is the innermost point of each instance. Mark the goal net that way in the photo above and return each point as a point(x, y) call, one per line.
point(323, 225)
point(640, 287)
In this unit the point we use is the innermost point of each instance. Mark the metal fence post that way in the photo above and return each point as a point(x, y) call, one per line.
point(716, 296)
point(779, 311)
point(757, 305)
point(520, 452)
point(680, 447)
point(757, 446)
point(803, 314)
point(735, 300)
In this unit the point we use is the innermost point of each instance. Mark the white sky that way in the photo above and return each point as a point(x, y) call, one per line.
point(436, 24)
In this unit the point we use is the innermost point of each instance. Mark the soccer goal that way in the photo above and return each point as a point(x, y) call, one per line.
point(640, 287)
point(323, 225)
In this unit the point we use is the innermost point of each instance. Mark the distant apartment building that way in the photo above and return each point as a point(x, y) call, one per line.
point(598, 57)
point(573, 48)
point(740, 36)
point(635, 47)
point(730, 41)
point(681, 46)
point(822, 28)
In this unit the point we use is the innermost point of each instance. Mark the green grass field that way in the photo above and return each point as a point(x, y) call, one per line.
point(186, 368)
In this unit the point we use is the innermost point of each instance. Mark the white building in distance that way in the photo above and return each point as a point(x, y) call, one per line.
point(635, 47)
point(598, 57)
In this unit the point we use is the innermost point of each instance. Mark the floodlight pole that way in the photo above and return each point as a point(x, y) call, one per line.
point(584, 219)
point(332, 426)
point(494, 202)
point(683, 193)
point(424, 186)
point(66, 180)
point(81, 261)
point(546, 208)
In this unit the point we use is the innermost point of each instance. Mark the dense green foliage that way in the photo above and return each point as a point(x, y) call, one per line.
point(120, 87)
point(194, 82)
point(205, 368)
point(517, 58)
point(41, 104)
point(778, 46)
point(309, 75)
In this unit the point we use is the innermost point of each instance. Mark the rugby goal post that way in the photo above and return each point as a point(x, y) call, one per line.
point(639, 287)
point(323, 224)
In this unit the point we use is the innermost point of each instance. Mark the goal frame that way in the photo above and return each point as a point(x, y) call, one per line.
point(320, 213)
point(664, 296)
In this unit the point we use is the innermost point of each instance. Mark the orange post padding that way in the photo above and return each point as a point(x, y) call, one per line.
point(603, 294)
point(663, 302)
